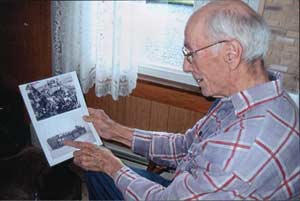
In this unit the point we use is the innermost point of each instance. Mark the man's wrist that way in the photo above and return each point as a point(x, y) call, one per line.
point(124, 135)
point(113, 171)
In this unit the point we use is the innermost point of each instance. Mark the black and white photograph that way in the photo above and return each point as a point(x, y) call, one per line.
point(77, 132)
point(56, 106)
point(57, 141)
point(52, 97)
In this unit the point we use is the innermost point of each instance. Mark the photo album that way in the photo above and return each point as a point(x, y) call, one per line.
point(56, 106)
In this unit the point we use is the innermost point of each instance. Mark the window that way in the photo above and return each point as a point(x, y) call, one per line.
point(162, 33)
point(161, 26)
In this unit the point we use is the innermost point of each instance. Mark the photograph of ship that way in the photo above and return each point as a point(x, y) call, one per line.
point(57, 141)
point(52, 97)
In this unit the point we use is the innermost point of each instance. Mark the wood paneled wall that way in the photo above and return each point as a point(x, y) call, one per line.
point(153, 107)
point(25, 35)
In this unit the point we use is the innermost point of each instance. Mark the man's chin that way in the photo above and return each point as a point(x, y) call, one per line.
point(204, 93)
point(208, 94)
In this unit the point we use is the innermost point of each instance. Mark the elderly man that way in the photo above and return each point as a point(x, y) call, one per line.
point(246, 147)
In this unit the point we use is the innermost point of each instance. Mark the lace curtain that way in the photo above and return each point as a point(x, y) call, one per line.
point(96, 39)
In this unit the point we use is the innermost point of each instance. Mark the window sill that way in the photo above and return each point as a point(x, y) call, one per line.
point(170, 95)
point(170, 86)
point(168, 76)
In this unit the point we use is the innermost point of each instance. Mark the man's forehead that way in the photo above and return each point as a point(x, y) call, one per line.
point(194, 30)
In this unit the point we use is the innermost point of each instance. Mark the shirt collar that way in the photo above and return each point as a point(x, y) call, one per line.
point(247, 99)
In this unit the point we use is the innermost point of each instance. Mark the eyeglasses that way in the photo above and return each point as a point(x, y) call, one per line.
point(190, 54)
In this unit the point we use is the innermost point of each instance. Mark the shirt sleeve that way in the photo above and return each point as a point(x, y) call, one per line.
point(165, 149)
point(201, 185)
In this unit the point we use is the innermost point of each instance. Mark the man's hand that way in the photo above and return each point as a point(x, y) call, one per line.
point(107, 128)
point(102, 123)
point(95, 158)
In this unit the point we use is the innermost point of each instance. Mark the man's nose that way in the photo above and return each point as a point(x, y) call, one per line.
point(187, 67)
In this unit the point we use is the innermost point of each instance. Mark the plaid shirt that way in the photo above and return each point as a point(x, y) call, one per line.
point(246, 147)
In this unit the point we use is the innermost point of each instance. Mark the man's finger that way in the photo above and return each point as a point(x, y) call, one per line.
point(84, 152)
point(79, 145)
point(88, 118)
point(92, 110)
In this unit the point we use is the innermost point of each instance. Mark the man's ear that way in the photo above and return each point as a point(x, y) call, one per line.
point(233, 54)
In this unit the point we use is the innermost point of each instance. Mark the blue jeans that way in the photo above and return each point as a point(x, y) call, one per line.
point(102, 187)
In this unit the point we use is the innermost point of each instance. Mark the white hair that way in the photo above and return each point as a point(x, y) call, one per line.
point(250, 30)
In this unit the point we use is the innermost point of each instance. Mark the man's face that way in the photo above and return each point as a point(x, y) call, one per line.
point(207, 66)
